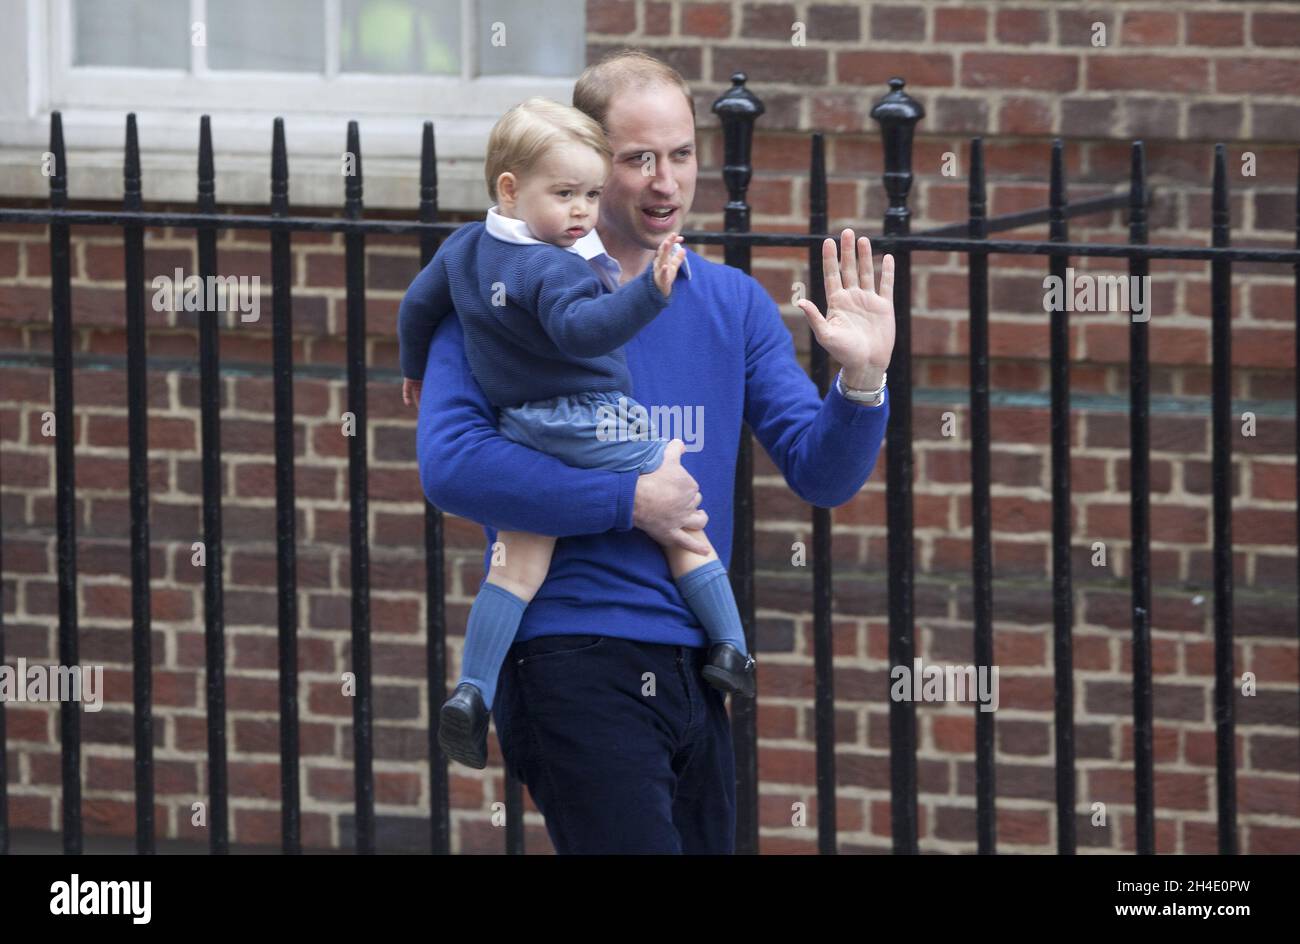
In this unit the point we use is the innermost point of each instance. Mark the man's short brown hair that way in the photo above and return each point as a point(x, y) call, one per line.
point(619, 70)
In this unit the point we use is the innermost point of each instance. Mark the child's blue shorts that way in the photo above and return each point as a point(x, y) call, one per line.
point(588, 430)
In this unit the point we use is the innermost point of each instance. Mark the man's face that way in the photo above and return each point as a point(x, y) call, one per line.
point(652, 132)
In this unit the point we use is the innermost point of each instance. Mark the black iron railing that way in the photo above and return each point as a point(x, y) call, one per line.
point(737, 110)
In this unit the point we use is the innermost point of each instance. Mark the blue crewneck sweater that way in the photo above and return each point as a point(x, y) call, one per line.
point(719, 347)
point(537, 322)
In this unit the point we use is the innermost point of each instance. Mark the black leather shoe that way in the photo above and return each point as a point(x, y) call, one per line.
point(730, 671)
point(463, 725)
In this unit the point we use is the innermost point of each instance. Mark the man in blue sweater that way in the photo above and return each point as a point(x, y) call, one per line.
point(600, 708)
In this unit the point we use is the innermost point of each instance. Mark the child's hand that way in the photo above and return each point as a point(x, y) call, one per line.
point(411, 391)
point(668, 259)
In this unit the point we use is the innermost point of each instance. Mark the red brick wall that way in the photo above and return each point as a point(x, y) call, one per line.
point(1180, 78)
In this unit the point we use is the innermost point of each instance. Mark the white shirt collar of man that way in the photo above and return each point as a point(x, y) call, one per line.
point(589, 247)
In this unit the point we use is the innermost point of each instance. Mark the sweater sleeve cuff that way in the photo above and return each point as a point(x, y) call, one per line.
point(411, 371)
point(847, 413)
point(626, 500)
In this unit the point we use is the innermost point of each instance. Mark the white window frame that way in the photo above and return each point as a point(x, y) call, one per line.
point(36, 77)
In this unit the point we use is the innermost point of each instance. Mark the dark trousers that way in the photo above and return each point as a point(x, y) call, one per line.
point(612, 767)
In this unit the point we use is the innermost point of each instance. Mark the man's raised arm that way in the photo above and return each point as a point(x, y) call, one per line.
point(825, 448)
point(469, 469)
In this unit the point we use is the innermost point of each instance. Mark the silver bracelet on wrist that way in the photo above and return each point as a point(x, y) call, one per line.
point(865, 397)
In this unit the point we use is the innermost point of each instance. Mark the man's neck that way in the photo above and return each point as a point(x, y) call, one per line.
point(632, 259)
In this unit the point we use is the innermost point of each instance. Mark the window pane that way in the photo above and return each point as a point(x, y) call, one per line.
point(410, 37)
point(542, 37)
point(146, 34)
point(279, 36)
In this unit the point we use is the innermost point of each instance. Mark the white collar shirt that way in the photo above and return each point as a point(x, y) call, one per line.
point(589, 247)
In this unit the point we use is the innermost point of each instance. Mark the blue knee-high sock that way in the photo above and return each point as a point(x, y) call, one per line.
point(493, 620)
point(707, 592)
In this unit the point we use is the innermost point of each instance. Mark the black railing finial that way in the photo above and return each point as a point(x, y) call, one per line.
point(977, 198)
point(1056, 200)
point(428, 173)
point(207, 167)
point(59, 173)
point(1137, 193)
point(1219, 218)
point(279, 170)
point(897, 114)
point(352, 180)
point(131, 167)
point(428, 196)
point(737, 109)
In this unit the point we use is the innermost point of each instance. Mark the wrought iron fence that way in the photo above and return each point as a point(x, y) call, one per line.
point(737, 109)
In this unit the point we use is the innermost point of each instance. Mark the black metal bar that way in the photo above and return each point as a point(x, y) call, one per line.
point(137, 398)
point(823, 648)
point(285, 523)
point(435, 584)
point(1140, 498)
point(428, 211)
point(4, 743)
point(1221, 459)
point(887, 242)
point(1062, 582)
point(1295, 297)
point(514, 800)
point(355, 265)
point(65, 435)
point(210, 430)
point(738, 109)
point(897, 114)
point(981, 512)
point(1010, 221)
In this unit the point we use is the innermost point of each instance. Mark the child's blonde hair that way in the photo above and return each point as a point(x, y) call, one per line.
point(523, 135)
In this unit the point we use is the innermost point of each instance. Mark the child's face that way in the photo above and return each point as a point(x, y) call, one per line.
point(560, 201)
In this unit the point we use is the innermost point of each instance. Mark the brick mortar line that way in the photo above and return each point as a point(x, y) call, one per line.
point(462, 557)
point(1094, 403)
point(803, 660)
point(1032, 583)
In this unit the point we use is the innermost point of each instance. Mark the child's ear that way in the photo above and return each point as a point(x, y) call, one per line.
point(507, 187)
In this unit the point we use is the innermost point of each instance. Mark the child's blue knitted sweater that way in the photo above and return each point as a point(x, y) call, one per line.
point(537, 322)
